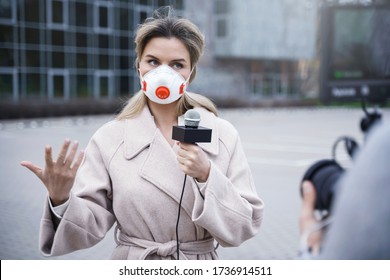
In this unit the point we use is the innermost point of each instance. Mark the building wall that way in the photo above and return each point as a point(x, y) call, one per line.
point(60, 51)
point(261, 29)
point(254, 47)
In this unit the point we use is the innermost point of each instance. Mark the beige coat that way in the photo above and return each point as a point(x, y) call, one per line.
point(130, 175)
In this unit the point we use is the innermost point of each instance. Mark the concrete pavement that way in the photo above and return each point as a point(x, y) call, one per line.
point(280, 145)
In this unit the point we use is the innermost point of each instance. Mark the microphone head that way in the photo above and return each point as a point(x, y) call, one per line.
point(192, 118)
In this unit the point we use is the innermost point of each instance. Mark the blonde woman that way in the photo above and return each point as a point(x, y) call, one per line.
point(131, 173)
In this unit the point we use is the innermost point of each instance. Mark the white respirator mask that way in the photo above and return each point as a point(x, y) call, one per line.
point(163, 85)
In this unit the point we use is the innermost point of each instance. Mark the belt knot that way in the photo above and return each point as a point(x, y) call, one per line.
point(166, 249)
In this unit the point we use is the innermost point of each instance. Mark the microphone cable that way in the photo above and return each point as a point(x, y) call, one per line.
point(178, 217)
point(179, 210)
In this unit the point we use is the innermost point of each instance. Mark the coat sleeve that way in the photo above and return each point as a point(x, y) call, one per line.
point(231, 210)
point(89, 214)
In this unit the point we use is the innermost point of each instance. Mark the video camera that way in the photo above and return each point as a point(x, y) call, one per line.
point(325, 174)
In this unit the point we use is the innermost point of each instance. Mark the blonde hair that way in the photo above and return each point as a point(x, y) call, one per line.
point(165, 24)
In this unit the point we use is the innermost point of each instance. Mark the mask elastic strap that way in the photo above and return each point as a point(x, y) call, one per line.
point(189, 76)
point(187, 80)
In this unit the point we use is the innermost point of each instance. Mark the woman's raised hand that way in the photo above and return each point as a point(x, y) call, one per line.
point(58, 176)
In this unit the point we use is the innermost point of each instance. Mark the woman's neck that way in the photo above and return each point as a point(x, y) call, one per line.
point(164, 114)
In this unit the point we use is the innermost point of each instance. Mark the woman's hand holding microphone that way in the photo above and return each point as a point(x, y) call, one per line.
point(193, 161)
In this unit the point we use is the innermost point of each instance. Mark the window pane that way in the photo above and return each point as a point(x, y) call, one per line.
point(124, 85)
point(31, 11)
point(81, 14)
point(57, 38)
point(103, 17)
point(82, 61)
point(57, 12)
point(81, 39)
point(143, 16)
point(163, 2)
point(124, 43)
point(6, 86)
point(33, 84)
point(58, 60)
point(124, 62)
point(123, 19)
point(32, 36)
point(58, 86)
point(103, 61)
point(33, 59)
point(6, 9)
point(6, 34)
point(179, 5)
point(221, 28)
point(143, 2)
point(6, 57)
point(103, 86)
point(82, 85)
point(133, 84)
point(221, 7)
point(103, 41)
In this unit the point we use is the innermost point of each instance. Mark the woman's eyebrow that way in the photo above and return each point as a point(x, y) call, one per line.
point(174, 60)
point(179, 60)
point(151, 56)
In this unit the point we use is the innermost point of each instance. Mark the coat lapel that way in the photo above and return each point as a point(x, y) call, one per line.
point(162, 170)
point(160, 166)
point(139, 133)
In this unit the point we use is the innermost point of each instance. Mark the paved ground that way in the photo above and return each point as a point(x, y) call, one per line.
point(280, 145)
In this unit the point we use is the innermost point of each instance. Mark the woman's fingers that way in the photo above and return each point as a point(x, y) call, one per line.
point(187, 146)
point(77, 163)
point(48, 157)
point(69, 159)
point(33, 168)
point(63, 152)
point(63, 158)
point(193, 161)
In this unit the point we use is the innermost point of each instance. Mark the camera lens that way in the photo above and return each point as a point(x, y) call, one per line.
point(324, 175)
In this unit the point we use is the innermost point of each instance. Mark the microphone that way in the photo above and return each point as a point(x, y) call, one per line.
point(191, 132)
point(192, 118)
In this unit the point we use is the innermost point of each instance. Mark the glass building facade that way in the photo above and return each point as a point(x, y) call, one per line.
point(63, 50)
point(73, 54)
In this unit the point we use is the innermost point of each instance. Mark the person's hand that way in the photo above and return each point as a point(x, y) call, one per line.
point(58, 176)
point(193, 161)
point(307, 219)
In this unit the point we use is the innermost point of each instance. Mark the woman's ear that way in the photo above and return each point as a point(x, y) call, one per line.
point(136, 65)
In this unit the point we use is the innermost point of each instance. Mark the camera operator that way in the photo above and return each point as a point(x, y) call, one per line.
point(358, 226)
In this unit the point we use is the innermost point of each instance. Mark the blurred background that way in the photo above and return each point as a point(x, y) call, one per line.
point(288, 74)
point(68, 57)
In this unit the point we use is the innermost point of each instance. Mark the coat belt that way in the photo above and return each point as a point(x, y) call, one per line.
point(165, 249)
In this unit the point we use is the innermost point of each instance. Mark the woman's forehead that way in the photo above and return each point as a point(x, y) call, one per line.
point(166, 48)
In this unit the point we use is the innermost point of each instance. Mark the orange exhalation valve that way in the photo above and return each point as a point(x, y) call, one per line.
point(162, 92)
point(182, 88)
point(144, 86)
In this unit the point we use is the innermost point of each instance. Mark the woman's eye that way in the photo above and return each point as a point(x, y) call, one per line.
point(153, 62)
point(177, 66)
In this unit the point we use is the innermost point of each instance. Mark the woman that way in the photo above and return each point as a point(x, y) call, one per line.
point(132, 172)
